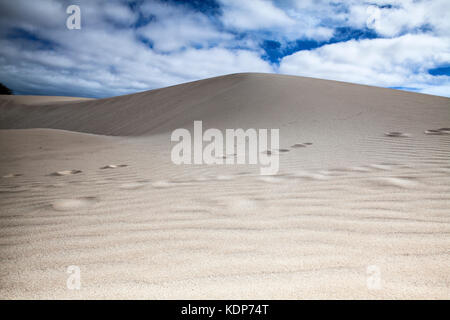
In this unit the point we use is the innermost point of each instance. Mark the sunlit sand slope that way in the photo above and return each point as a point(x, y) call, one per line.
point(359, 209)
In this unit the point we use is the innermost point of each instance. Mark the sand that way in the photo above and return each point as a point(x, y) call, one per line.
point(37, 100)
point(361, 186)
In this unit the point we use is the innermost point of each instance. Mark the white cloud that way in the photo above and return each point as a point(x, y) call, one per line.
point(253, 15)
point(27, 15)
point(175, 28)
point(441, 88)
point(106, 61)
point(395, 62)
point(395, 17)
point(119, 13)
point(284, 21)
point(107, 58)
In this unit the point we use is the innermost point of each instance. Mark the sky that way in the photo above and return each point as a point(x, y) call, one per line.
point(130, 46)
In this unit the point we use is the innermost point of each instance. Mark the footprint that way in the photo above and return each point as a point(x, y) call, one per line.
point(440, 131)
point(56, 185)
point(301, 145)
point(12, 175)
point(114, 166)
point(396, 134)
point(74, 204)
point(65, 172)
point(433, 132)
point(269, 152)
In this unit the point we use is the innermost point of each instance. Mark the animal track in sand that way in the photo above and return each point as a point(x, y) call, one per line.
point(276, 151)
point(301, 145)
point(440, 131)
point(12, 175)
point(65, 173)
point(56, 185)
point(74, 204)
point(396, 134)
point(114, 166)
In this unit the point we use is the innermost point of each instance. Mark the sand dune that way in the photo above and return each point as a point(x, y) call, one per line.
point(36, 100)
point(243, 100)
point(361, 184)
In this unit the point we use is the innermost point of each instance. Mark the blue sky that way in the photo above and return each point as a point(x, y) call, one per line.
point(130, 46)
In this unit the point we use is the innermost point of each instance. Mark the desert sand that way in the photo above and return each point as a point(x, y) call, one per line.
point(36, 100)
point(362, 184)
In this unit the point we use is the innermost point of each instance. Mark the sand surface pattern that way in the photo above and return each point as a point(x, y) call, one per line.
point(364, 183)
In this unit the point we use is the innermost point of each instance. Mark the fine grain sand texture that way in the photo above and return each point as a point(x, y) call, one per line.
point(364, 182)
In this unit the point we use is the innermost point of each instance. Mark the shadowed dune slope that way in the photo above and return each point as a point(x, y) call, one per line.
point(247, 100)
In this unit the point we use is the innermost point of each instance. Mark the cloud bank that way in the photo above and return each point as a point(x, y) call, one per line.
point(125, 47)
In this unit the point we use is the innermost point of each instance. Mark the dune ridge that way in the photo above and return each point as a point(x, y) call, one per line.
point(232, 101)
